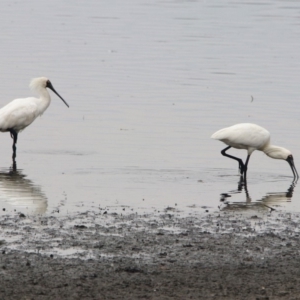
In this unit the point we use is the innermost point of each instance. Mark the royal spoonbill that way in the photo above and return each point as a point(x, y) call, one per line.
point(252, 137)
point(20, 113)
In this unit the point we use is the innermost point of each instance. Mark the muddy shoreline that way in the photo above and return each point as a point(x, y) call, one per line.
point(101, 255)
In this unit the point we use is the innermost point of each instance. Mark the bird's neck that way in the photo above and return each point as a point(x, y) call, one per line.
point(276, 152)
point(45, 100)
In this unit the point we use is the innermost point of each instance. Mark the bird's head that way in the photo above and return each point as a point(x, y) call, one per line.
point(282, 153)
point(41, 83)
point(290, 160)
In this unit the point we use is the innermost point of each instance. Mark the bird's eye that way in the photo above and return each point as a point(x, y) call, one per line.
point(290, 156)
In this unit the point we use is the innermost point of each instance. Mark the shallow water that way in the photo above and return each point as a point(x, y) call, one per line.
point(148, 82)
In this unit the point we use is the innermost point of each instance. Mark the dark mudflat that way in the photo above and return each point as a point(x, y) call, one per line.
point(108, 256)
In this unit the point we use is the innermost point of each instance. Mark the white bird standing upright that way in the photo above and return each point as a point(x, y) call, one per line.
point(252, 137)
point(20, 113)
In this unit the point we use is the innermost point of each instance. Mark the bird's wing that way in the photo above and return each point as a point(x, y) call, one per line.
point(18, 114)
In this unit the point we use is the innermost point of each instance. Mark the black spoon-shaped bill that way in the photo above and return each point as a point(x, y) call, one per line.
point(50, 86)
point(290, 160)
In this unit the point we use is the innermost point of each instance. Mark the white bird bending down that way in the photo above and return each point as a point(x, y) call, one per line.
point(20, 113)
point(252, 137)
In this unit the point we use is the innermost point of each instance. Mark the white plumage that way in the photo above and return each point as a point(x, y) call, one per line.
point(251, 137)
point(20, 113)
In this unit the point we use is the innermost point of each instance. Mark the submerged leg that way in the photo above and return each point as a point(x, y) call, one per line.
point(242, 167)
point(14, 136)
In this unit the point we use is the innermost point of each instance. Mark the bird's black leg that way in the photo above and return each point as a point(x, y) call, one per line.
point(14, 136)
point(241, 164)
point(246, 167)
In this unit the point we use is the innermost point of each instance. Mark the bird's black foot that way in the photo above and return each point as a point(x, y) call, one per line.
point(243, 171)
point(14, 165)
point(242, 168)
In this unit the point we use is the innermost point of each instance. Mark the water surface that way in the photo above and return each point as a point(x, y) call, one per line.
point(148, 82)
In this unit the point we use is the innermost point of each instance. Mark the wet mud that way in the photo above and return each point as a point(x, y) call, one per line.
point(167, 255)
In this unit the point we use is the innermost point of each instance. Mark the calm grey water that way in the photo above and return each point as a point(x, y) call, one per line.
point(148, 82)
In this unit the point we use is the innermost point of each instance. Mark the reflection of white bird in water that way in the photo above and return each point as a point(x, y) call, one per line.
point(269, 201)
point(20, 113)
point(252, 137)
point(20, 192)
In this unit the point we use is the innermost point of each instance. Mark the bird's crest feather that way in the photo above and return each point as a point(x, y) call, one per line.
point(38, 83)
